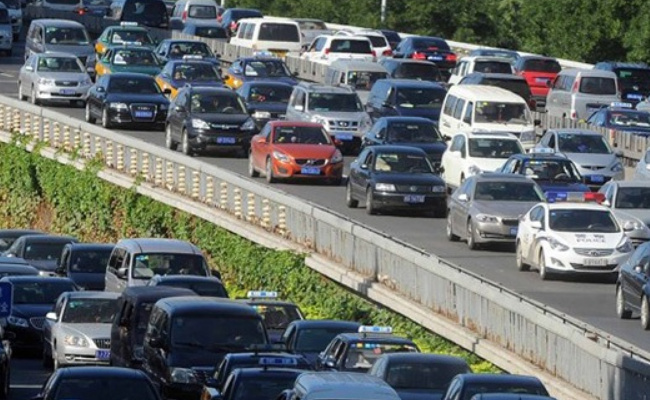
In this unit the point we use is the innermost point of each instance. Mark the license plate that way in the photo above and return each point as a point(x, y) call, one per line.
point(226, 140)
point(414, 198)
point(595, 262)
point(344, 136)
point(541, 80)
point(310, 171)
point(597, 178)
point(103, 354)
point(635, 96)
point(434, 58)
point(513, 231)
point(143, 114)
point(66, 91)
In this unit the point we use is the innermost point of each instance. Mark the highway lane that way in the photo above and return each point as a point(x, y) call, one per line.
point(589, 300)
point(27, 377)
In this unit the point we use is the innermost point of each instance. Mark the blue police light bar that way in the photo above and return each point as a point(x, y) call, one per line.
point(192, 57)
point(620, 104)
point(375, 329)
point(128, 23)
point(574, 197)
point(262, 294)
point(277, 361)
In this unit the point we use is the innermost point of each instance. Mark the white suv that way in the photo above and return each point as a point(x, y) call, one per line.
point(327, 48)
point(379, 42)
point(473, 153)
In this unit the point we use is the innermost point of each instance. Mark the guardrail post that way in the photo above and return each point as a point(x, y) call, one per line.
point(120, 157)
point(145, 167)
point(266, 213)
point(169, 176)
point(2, 117)
point(27, 124)
point(158, 176)
point(66, 138)
point(133, 162)
point(238, 213)
point(76, 140)
point(250, 207)
point(109, 153)
point(209, 190)
point(196, 185)
point(182, 184)
point(223, 197)
point(282, 220)
point(15, 121)
point(36, 128)
point(86, 146)
point(46, 131)
point(56, 138)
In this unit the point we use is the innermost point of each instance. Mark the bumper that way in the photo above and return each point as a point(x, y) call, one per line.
point(55, 93)
point(293, 170)
point(81, 356)
point(539, 92)
point(123, 117)
point(570, 262)
point(410, 201)
point(182, 391)
point(236, 140)
point(488, 232)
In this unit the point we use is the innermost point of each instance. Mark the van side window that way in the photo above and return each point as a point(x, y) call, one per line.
point(299, 100)
point(449, 105)
point(152, 326)
point(248, 33)
point(458, 110)
point(551, 141)
point(115, 262)
point(468, 113)
point(455, 144)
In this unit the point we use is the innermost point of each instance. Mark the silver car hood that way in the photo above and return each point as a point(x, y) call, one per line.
point(351, 116)
point(505, 209)
point(591, 159)
point(91, 330)
point(642, 215)
point(62, 76)
point(77, 50)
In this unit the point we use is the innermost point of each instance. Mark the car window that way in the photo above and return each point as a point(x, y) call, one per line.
point(577, 143)
point(58, 64)
point(202, 12)
point(583, 220)
point(598, 86)
point(68, 36)
point(279, 32)
point(493, 148)
point(501, 112)
point(468, 113)
point(507, 191)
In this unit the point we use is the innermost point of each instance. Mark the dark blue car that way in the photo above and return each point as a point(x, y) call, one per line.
point(406, 98)
point(310, 337)
point(466, 386)
point(266, 100)
point(622, 117)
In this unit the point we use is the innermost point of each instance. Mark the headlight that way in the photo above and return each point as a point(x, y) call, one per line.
point(280, 156)
point(77, 341)
point(17, 321)
point(487, 218)
point(182, 375)
point(46, 82)
point(318, 119)
point(633, 225)
point(384, 187)
point(337, 157)
point(261, 114)
point(474, 170)
point(625, 247)
point(249, 125)
point(199, 124)
point(557, 245)
point(438, 189)
point(119, 106)
point(618, 167)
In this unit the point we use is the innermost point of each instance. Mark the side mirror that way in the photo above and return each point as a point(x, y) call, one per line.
point(124, 322)
point(299, 107)
point(260, 139)
point(100, 89)
point(29, 68)
point(60, 270)
point(51, 316)
point(122, 273)
point(338, 143)
point(386, 105)
point(294, 74)
point(157, 343)
point(330, 363)
point(379, 136)
point(462, 197)
point(538, 122)
point(536, 224)
point(638, 269)
point(447, 138)
point(606, 203)
point(225, 77)
point(549, 84)
point(363, 166)
point(439, 170)
point(179, 109)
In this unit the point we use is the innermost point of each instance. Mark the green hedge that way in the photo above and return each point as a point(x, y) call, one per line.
point(40, 193)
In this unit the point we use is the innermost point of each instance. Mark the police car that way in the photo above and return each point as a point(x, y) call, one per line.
point(126, 32)
point(622, 117)
point(569, 235)
point(189, 70)
point(357, 352)
point(262, 66)
point(128, 57)
point(277, 314)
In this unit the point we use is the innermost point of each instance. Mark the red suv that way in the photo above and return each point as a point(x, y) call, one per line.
point(538, 72)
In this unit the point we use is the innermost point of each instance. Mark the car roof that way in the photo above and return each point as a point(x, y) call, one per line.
point(374, 337)
point(343, 386)
point(510, 396)
point(497, 176)
point(493, 75)
point(485, 58)
point(155, 293)
point(99, 372)
point(128, 28)
point(213, 90)
point(268, 83)
point(537, 57)
point(28, 279)
point(631, 184)
point(45, 238)
point(20, 268)
point(287, 21)
point(577, 206)
point(187, 278)
point(486, 93)
point(540, 156)
point(202, 23)
point(129, 46)
point(190, 61)
point(281, 123)
point(410, 83)
point(90, 246)
point(386, 148)
point(14, 232)
point(252, 372)
point(426, 37)
point(479, 378)
point(259, 58)
point(267, 302)
point(322, 88)
point(158, 245)
point(620, 64)
point(93, 294)
point(61, 23)
point(488, 135)
point(13, 261)
point(128, 75)
point(191, 304)
point(423, 358)
point(406, 119)
point(325, 323)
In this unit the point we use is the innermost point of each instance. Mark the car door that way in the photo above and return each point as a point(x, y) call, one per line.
point(465, 206)
point(446, 118)
point(114, 263)
point(526, 233)
point(27, 77)
point(458, 114)
point(642, 171)
point(455, 207)
point(178, 113)
point(364, 173)
point(161, 51)
point(99, 95)
point(465, 122)
point(639, 276)
point(289, 338)
point(261, 150)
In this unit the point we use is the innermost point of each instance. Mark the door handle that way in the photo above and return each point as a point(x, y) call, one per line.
point(446, 124)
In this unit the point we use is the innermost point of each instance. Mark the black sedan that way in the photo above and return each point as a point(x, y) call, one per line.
point(33, 297)
point(408, 131)
point(85, 264)
point(632, 288)
point(428, 48)
point(127, 99)
point(203, 117)
point(41, 251)
point(10, 269)
point(310, 337)
point(266, 100)
point(466, 386)
point(396, 177)
point(98, 383)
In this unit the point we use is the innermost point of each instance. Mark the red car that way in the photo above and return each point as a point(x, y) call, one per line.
point(289, 149)
point(539, 73)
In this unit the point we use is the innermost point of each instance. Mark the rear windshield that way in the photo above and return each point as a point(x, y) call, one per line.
point(4, 16)
point(213, 33)
point(424, 71)
point(350, 46)
point(498, 387)
point(537, 65)
point(517, 86)
point(493, 67)
point(279, 32)
point(633, 75)
point(420, 98)
point(594, 85)
point(430, 44)
point(203, 12)
point(149, 13)
point(378, 41)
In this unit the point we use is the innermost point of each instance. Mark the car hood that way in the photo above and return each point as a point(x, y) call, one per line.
point(77, 50)
point(91, 330)
point(137, 98)
point(234, 119)
point(504, 209)
point(187, 357)
point(148, 70)
point(430, 113)
point(306, 150)
point(270, 107)
point(408, 179)
point(88, 281)
point(419, 394)
point(44, 265)
point(31, 310)
point(548, 186)
point(581, 159)
point(429, 148)
point(642, 215)
point(63, 76)
point(591, 240)
point(179, 83)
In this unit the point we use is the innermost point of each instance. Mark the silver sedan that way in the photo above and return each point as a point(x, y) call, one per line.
point(630, 203)
point(54, 77)
point(78, 331)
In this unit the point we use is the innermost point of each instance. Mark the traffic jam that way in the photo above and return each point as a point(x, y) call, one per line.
point(404, 124)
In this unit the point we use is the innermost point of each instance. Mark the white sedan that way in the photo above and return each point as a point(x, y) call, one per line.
point(571, 238)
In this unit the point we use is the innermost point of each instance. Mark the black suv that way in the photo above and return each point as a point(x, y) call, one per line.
point(633, 79)
point(208, 117)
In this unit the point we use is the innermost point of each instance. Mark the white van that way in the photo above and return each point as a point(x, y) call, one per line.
point(578, 93)
point(195, 10)
point(481, 108)
point(276, 35)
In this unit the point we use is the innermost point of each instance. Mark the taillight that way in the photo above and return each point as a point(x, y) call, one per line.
point(327, 50)
point(184, 16)
point(374, 53)
point(419, 56)
point(81, 11)
point(233, 26)
point(388, 52)
point(576, 85)
point(451, 57)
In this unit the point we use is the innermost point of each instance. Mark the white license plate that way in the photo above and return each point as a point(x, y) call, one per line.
point(310, 171)
point(344, 136)
point(66, 91)
point(143, 114)
point(226, 140)
point(434, 58)
point(103, 354)
point(595, 262)
point(414, 198)
point(635, 96)
point(541, 80)
point(513, 231)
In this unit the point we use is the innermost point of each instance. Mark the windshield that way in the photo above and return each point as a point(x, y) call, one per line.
point(420, 98)
point(266, 68)
point(4, 16)
point(217, 333)
point(497, 67)
point(628, 119)
point(202, 12)
point(211, 289)
point(140, 58)
point(501, 113)
point(277, 316)
point(507, 191)
point(423, 376)
point(314, 340)
point(301, 135)
point(430, 44)
point(595, 85)
point(212, 33)
point(541, 65)
point(362, 356)
point(402, 163)
point(196, 72)
point(106, 388)
point(88, 311)
point(133, 85)
point(498, 387)
point(551, 170)
point(269, 94)
point(631, 76)
point(350, 46)
point(39, 292)
point(593, 144)
point(517, 86)
point(89, 261)
point(178, 50)
point(494, 148)
point(422, 70)
point(58, 64)
point(278, 32)
point(207, 103)
point(413, 132)
point(43, 251)
point(577, 220)
point(131, 36)
point(66, 2)
point(331, 102)
point(105, 3)
point(263, 387)
point(363, 80)
point(148, 265)
point(69, 36)
point(633, 198)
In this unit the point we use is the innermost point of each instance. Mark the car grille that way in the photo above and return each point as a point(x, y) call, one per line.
point(37, 322)
point(594, 268)
point(202, 374)
point(510, 221)
point(594, 252)
point(343, 126)
point(413, 189)
point(310, 161)
point(102, 343)
point(66, 83)
point(593, 167)
point(143, 107)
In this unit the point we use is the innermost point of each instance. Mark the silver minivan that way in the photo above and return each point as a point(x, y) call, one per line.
point(359, 75)
point(134, 262)
point(577, 93)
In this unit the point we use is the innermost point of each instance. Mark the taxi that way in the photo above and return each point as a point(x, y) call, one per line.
point(277, 314)
point(262, 66)
point(357, 352)
point(188, 70)
point(126, 32)
point(174, 49)
point(128, 57)
point(571, 234)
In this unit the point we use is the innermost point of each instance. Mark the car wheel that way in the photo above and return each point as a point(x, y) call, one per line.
point(449, 230)
point(252, 172)
point(21, 95)
point(370, 202)
point(55, 360)
point(349, 198)
point(169, 141)
point(268, 172)
point(471, 239)
point(621, 308)
point(106, 122)
point(519, 258)
point(645, 313)
point(47, 357)
point(541, 265)
point(186, 148)
point(89, 116)
point(4, 393)
point(33, 98)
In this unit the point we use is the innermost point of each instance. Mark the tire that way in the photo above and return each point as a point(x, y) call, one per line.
point(21, 95)
point(370, 203)
point(55, 361)
point(621, 308)
point(268, 172)
point(169, 141)
point(471, 239)
point(186, 148)
point(349, 198)
point(47, 358)
point(4, 393)
point(33, 98)
point(89, 116)
point(645, 313)
point(544, 274)
point(519, 258)
point(449, 231)
point(252, 172)
point(106, 122)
